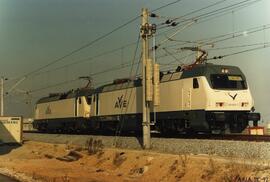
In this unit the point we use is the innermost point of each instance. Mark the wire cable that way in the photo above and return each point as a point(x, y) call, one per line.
point(166, 5)
point(249, 31)
point(152, 11)
point(215, 12)
point(53, 85)
point(114, 50)
point(197, 10)
point(87, 59)
point(82, 47)
point(122, 119)
point(238, 46)
point(240, 52)
point(96, 40)
point(224, 37)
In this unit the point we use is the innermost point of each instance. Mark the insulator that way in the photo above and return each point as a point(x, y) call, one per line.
point(168, 21)
point(156, 99)
point(148, 77)
point(153, 15)
point(156, 86)
point(156, 74)
point(149, 69)
point(149, 90)
point(174, 24)
point(154, 28)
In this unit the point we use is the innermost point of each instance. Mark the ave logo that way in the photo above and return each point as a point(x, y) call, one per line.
point(120, 102)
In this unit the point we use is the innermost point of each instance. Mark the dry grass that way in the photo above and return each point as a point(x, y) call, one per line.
point(210, 171)
point(179, 167)
point(174, 166)
point(119, 159)
point(136, 171)
point(94, 147)
point(65, 178)
point(230, 175)
point(184, 160)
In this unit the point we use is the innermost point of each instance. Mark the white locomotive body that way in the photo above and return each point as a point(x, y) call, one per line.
point(63, 112)
point(205, 98)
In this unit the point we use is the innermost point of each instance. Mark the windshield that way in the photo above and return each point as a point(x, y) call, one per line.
point(228, 82)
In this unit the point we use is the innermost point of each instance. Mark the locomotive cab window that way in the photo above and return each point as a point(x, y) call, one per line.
point(195, 83)
point(80, 100)
point(222, 81)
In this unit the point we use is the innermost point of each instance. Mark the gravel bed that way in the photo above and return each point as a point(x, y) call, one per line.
point(239, 149)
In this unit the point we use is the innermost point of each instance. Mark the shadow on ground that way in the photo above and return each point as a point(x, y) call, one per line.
point(7, 148)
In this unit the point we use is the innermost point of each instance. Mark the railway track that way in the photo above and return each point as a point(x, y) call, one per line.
point(243, 146)
point(239, 137)
point(232, 137)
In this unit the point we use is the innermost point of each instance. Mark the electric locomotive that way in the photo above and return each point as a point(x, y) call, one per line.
point(207, 98)
point(63, 112)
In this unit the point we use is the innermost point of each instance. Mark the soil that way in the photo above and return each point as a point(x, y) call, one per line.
point(7, 179)
point(36, 161)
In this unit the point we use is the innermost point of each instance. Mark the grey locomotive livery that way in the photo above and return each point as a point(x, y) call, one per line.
point(207, 98)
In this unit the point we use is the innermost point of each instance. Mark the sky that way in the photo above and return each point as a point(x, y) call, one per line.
point(34, 33)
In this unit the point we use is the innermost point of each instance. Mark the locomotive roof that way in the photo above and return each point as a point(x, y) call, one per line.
point(198, 70)
point(208, 69)
point(66, 95)
point(119, 86)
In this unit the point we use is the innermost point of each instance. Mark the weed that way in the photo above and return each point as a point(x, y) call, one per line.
point(180, 172)
point(184, 160)
point(94, 147)
point(173, 167)
point(65, 178)
point(136, 170)
point(212, 169)
point(233, 172)
point(34, 176)
point(119, 158)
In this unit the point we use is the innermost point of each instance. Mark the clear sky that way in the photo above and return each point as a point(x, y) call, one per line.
point(33, 33)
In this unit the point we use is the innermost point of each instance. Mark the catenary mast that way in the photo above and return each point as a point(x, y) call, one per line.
point(147, 30)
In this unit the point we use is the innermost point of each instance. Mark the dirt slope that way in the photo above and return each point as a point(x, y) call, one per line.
point(36, 161)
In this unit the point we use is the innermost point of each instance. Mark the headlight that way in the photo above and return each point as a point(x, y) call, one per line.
point(219, 104)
